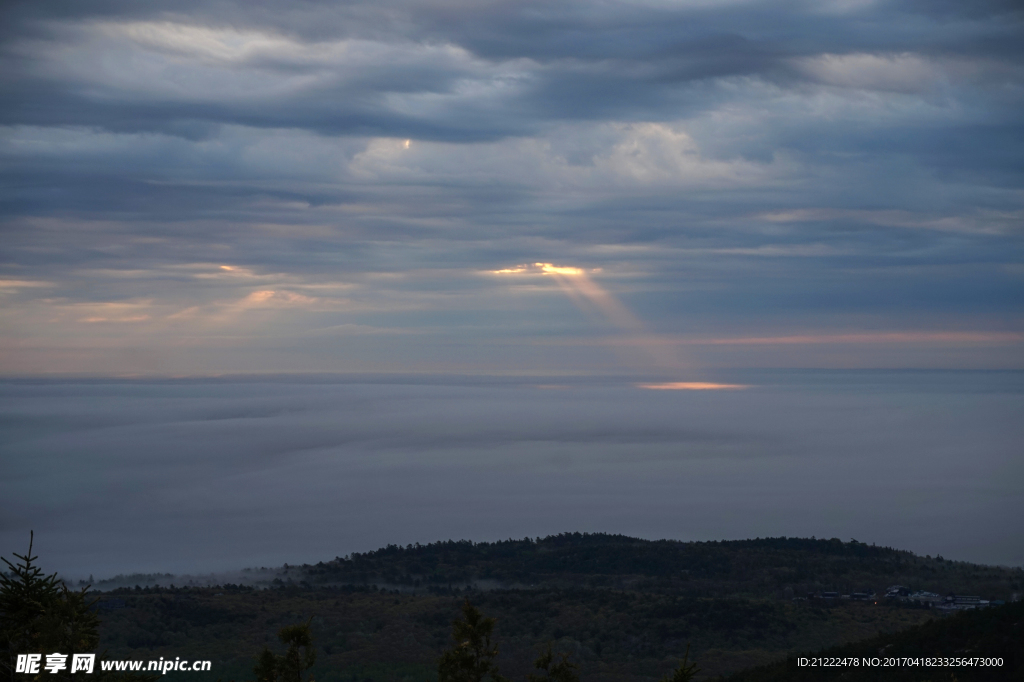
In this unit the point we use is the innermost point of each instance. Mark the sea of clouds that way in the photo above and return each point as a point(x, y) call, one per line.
point(119, 476)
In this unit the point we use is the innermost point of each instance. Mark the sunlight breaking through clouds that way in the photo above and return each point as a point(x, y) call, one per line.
point(747, 250)
point(741, 183)
point(691, 386)
point(589, 296)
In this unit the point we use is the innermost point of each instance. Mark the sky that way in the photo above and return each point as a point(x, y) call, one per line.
point(196, 188)
point(655, 203)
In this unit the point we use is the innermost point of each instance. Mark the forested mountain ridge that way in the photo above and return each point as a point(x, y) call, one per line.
point(624, 609)
point(749, 567)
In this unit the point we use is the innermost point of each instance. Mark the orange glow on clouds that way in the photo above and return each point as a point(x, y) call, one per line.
point(540, 269)
point(588, 295)
point(276, 298)
point(583, 291)
point(691, 386)
point(550, 269)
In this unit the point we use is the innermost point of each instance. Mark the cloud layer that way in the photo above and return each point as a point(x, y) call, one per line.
point(187, 476)
point(194, 187)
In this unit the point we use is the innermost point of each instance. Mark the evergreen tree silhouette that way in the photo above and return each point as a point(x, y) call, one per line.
point(686, 670)
point(554, 671)
point(471, 656)
point(25, 594)
point(39, 614)
point(289, 667)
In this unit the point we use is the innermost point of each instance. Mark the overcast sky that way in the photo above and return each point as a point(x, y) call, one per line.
point(606, 198)
point(210, 187)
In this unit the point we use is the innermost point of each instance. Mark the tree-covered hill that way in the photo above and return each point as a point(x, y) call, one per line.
point(745, 567)
point(624, 609)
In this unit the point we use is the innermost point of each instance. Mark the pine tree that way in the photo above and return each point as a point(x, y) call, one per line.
point(27, 599)
point(471, 656)
point(40, 615)
point(266, 666)
point(686, 670)
point(289, 667)
point(560, 671)
point(70, 624)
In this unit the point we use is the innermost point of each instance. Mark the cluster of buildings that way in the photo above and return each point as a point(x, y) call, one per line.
point(898, 593)
point(947, 604)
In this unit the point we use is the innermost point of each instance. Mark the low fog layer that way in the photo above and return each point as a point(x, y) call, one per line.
point(197, 476)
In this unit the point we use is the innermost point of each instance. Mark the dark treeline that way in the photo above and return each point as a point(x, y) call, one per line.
point(753, 567)
point(617, 608)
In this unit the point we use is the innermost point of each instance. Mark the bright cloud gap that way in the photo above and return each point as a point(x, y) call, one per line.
point(691, 386)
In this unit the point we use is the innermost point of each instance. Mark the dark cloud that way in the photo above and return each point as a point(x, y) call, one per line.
point(530, 63)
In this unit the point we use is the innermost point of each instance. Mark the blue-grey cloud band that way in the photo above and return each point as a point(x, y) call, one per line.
point(713, 160)
point(192, 476)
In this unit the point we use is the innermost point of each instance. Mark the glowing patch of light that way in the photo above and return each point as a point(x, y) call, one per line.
point(260, 296)
point(550, 269)
point(588, 295)
point(542, 269)
point(691, 386)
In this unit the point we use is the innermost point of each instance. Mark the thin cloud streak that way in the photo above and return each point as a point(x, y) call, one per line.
point(938, 337)
point(998, 338)
point(692, 386)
